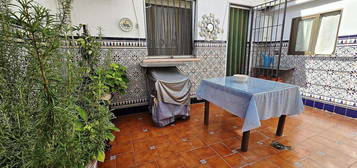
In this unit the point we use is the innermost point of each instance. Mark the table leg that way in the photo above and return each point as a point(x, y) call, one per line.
point(280, 129)
point(206, 117)
point(245, 141)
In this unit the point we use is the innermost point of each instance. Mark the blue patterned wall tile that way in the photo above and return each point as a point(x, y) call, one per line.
point(329, 107)
point(309, 103)
point(319, 105)
point(351, 113)
point(340, 110)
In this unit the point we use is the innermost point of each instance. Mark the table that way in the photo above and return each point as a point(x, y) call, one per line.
point(254, 100)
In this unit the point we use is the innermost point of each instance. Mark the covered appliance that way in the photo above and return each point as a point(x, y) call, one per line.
point(168, 95)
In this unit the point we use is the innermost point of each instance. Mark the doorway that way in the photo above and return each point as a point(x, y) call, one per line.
point(237, 40)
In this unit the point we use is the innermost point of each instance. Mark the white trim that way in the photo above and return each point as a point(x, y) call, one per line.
point(238, 7)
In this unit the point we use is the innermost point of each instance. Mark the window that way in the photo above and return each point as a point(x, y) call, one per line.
point(315, 34)
point(169, 27)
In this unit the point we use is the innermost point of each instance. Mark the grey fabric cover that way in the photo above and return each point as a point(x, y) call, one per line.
point(169, 95)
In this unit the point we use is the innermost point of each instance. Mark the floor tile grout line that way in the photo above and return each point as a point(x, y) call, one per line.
point(220, 156)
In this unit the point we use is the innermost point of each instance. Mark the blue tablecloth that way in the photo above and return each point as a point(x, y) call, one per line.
point(254, 100)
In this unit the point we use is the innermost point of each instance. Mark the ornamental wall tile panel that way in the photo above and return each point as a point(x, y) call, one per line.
point(327, 77)
point(212, 63)
point(131, 58)
point(331, 78)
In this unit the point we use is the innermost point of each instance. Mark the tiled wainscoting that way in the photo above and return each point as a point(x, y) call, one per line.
point(331, 79)
point(326, 78)
point(212, 63)
point(328, 81)
point(130, 53)
point(331, 107)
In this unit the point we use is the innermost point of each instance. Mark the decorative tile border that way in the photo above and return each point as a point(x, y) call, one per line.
point(212, 63)
point(202, 43)
point(118, 42)
point(347, 40)
point(334, 108)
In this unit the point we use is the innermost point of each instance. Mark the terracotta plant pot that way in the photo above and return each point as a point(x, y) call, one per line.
point(106, 96)
point(93, 164)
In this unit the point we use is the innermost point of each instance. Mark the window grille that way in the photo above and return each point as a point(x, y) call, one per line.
point(169, 27)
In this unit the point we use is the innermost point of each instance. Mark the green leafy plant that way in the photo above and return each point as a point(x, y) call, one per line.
point(50, 112)
point(112, 79)
point(89, 49)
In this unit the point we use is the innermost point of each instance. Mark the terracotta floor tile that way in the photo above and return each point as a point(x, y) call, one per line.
point(189, 159)
point(221, 149)
point(258, 153)
point(146, 156)
point(319, 140)
point(182, 146)
point(121, 148)
point(148, 165)
point(235, 160)
point(143, 144)
point(196, 142)
point(172, 161)
point(217, 162)
point(279, 161)
point(233, 143)
point(264, 164)
point(308, 163)
point(328, 160)
point(293, 155)
point(210, 138)
point(140, 135)
point(125, 160)
point(340, 146)
point(166, 150)
point(203, 153)
point(122, 138)
point(107, 164)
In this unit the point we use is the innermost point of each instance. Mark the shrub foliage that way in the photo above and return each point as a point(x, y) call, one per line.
point(50, 112)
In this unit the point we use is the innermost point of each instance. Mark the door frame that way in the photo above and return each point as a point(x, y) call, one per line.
point(238, 6)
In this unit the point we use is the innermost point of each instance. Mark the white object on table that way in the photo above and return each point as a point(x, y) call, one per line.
point(241, 77)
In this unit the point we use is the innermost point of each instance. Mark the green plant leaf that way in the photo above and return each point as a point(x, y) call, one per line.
point(101, 156)
point(110, 136)
point(113, 127)
point(82, 113)
point(78, 126)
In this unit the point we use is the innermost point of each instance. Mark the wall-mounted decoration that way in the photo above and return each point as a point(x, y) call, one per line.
point(209, 27)
point(126, 24)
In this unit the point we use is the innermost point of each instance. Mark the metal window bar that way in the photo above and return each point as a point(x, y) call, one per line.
point(266, 32)
point(169, 27)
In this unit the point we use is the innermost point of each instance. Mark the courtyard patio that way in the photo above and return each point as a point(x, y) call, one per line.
point(178, 84)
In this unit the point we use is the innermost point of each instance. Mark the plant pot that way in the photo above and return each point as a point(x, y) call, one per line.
point(106, 96)
point(92, 164)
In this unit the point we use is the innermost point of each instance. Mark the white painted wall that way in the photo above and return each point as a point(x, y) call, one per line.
point(107, 13)
point(220, 8)
point(348, 23)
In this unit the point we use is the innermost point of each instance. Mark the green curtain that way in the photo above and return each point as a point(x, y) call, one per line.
point(237, 40)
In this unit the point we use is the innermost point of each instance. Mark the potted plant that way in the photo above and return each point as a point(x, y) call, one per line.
point(111, 79)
